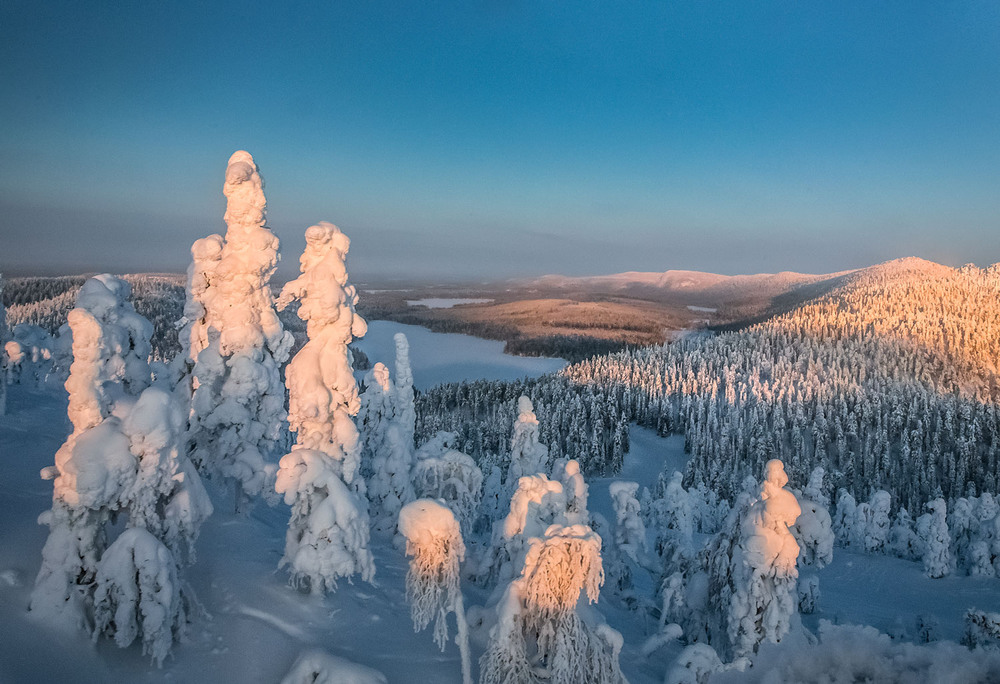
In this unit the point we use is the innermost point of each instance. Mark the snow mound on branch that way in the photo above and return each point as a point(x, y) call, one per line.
point(319, 667)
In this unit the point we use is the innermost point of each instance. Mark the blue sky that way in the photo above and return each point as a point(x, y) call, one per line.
point(497, 138)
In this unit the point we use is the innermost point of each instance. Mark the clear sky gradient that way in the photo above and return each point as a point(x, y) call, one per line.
point(498, 138)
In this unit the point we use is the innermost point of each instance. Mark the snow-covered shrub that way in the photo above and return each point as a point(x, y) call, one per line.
point(527, 455)
point(982, 630)
point(540, 636)
point(137, 592)
point(873, 523)
point(629, 535)
point(328, 533)
point(237, 401)
point(903, 541)
point(319, 667)
point(695, 665)
point(932, 528)
point(845, 518)
point(674, 520)
point(434, 544)
point(444, 473)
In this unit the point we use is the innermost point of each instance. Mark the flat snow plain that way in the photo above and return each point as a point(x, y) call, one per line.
point(252, 626)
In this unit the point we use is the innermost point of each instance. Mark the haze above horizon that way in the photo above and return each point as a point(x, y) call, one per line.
point(496, 139)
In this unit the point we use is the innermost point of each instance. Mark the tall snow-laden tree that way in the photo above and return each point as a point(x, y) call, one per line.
point(752, 570)
point(328, 532)
point(434, 544)
point(206, 254)
point(932, 528)
point(540, 635)
point(391, 483)
point(237, 403)
point(441, 472)
point(527, 455)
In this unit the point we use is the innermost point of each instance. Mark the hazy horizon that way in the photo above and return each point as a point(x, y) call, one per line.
point(489, 140)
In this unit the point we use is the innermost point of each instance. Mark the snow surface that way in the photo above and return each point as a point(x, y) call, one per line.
point(448, 357)
point(443, 303)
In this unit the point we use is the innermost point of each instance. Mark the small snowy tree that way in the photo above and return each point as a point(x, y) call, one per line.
point(932, 528)
point(447, 474)
point(237, 401)
point(813, 532)
point(540, 636)
point(575, 490)
point(434, 544)
point(527, 455)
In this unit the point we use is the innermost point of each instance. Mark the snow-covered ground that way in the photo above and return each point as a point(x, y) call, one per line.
point(442, 303)
point(447, 357)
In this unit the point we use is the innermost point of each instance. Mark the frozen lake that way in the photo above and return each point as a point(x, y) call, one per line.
point(448, 357)
point(440, 303)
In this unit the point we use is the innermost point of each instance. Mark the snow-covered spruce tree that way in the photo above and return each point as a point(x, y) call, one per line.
point(374, 414)
point(392, 463)
point(122, 458)
point(237, 403)
point(434, 544)
point(575, 489)
point(328, 532)
point(630, 536)
point(527, 455)
point(206, 254)
point(94, 467)
point(813, 532)
point(441, 472)
point(752, 581)
point(932, 528)
point(540, 636)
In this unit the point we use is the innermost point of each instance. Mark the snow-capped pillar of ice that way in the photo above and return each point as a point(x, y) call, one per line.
point(765, 597)
point(538, 615)
point(433, 588)
point(527, 455)
point(237, 405)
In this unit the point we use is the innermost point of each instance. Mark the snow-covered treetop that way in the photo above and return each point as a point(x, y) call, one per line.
point(110, 351)
point(561, 563)
point(426, 522)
